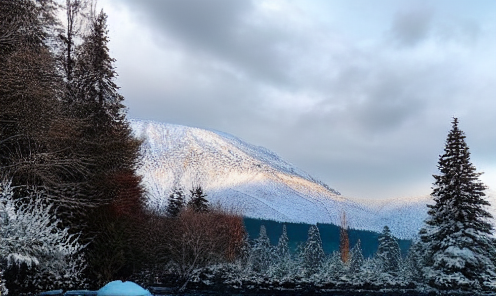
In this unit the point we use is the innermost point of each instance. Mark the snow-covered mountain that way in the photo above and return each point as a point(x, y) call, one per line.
point(256, 182)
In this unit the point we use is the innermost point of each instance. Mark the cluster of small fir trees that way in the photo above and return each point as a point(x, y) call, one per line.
point(197, 201)
point(309, 263)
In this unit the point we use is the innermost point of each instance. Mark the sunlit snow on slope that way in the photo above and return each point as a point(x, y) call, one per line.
point(257, 182)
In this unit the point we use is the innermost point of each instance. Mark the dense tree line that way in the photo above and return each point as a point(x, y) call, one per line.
point(68, 161)
point(272, 267)
point(65, 143)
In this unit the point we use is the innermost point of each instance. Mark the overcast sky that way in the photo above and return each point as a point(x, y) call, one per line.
point(360, 94)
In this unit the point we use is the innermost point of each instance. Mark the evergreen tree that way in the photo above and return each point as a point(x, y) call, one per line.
point(107, 138)
point(261, 252)
point(414, 263)
point(282, 249)
point(197, 201)
point(333, 268)
point(388, 252)
point(457, 238)
point(357, 259)
point(312, 253)
point(107, 142)
point(176, 203)
point(95, 73)
point(283, 264)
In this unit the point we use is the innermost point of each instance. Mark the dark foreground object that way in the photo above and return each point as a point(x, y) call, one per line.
point(68, 293)
point(300, 291)
point(216, 287)
point(165, 291)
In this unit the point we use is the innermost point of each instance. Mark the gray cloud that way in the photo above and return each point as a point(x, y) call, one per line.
point(205, 23)
point(369, 119)
point(222, 30)
point(411, 27)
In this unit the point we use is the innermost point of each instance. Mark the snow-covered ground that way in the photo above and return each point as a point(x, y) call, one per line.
point(257, 182)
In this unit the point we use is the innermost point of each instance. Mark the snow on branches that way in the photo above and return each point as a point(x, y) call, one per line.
point(457, 240)
point(31, 240)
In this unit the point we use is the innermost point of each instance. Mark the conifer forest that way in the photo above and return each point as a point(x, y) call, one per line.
point(72, 205)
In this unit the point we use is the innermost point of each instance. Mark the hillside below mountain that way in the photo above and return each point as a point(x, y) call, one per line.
point(256, 182)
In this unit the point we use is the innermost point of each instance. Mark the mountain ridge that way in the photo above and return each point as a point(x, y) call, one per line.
point(257, 182)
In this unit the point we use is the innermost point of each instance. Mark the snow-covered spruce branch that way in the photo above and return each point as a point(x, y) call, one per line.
point(30, 238)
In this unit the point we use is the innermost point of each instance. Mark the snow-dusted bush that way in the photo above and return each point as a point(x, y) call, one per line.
point(32, 242)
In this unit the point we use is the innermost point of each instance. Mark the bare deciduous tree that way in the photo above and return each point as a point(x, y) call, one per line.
point(344, 241)
point(198, 239)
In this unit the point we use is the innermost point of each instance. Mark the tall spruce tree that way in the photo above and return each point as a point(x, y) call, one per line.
point(457, 241)
point(107, 141)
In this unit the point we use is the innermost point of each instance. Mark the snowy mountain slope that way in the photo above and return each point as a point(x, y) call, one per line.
point(256, 182)
point(403, 215)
